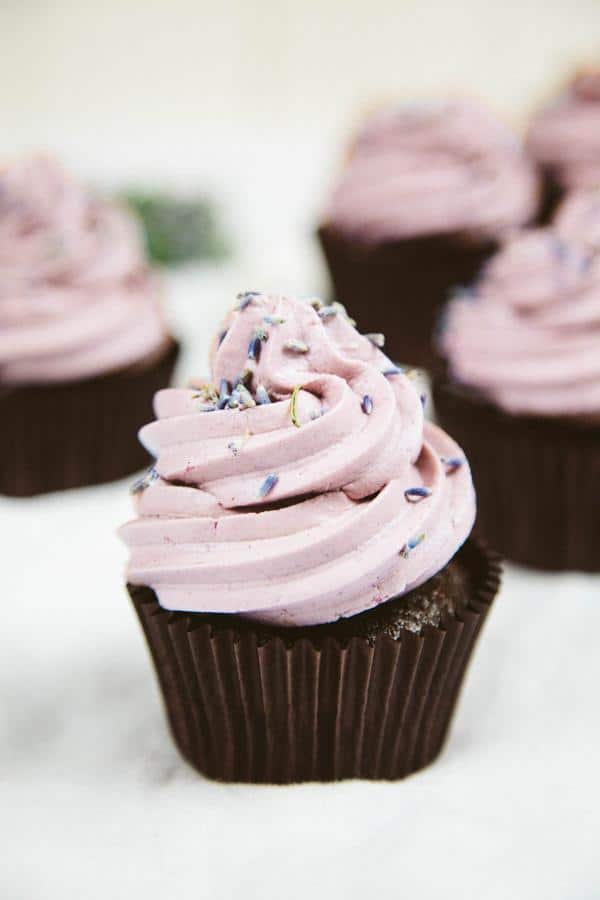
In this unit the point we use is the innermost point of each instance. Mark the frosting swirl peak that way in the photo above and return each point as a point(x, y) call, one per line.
point(434, 169)
point(300, 483)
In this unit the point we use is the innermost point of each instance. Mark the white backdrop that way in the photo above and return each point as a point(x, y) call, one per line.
point(253, 100)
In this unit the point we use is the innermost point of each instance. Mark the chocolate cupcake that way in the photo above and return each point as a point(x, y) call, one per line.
point(424, 197)
point(299, 561)
point(522, 395)
point(564, 138)
point(83, 343)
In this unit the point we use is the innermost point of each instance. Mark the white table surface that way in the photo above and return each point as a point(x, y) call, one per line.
point(96, 803)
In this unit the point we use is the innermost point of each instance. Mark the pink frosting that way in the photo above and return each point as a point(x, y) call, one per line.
point(578, 217)
point(76, 298)
point(528, 336)
point(565, 136)
point(335, 534)
point(434, 169)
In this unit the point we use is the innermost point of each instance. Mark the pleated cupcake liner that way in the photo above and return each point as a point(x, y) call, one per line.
point(552, 194)
point(71, 434)
point(245, 705)
point(399, 287)
point(537, 481)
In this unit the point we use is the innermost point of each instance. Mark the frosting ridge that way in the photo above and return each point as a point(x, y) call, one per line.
point(299, 484)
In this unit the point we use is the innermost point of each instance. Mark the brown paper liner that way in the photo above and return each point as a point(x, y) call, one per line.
point(399, 288)
point(552, 195)
point(77, 433)
point(537, 481)
point(248, 706)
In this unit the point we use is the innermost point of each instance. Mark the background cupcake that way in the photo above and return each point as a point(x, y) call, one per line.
point(564, 138)
point(422, 201)
point(83, 343)
point(302, 526)
point(523, 397)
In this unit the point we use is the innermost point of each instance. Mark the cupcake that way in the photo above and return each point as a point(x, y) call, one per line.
point(564, 138)
point(300, 560)
point(522, 395)
point(425, 195)
point(83, 343)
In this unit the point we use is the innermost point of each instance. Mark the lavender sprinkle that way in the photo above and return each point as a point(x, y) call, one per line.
point(236, 445)
point(327, 312)
point(243, 396)
point(267, 485)
point(254, 348)
point(411, 544)
point(392, 370)
point(144, 481)
point(423, 399)
point(367, 405)
point(222, 337)
point(224, 394)
point(376, 338)
point(262, 395)
point(273, 320)
point(416, 494)
point(296, 346)
point(451, 463)
point(245, 299)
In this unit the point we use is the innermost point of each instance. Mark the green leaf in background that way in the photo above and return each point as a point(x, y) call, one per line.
point(178, 230)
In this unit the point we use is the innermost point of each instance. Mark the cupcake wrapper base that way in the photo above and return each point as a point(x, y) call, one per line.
point(399, 288)
point(245, 708)
point(537, 482)
point(67, 435)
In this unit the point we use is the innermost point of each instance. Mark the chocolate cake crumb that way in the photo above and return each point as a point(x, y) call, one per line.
point(448, 590)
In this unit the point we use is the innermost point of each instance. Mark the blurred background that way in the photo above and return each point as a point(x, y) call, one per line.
point(254, 101)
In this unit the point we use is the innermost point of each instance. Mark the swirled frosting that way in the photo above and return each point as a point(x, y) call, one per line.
point(565, 135)
point(326, 497)
point(578, 217)
point(76, 298)
point(434, 169)
point(528, 334)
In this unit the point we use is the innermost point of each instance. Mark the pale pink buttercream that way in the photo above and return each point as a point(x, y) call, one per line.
point(326, 541)
point(434, 169)
point(565, 136)
point(528, 336)
point(578, 217)
point(76, 298)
